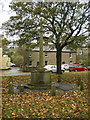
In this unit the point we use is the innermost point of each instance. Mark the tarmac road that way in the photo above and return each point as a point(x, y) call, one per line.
point(14, 71)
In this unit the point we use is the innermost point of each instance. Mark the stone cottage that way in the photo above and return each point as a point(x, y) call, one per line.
point(49, 56)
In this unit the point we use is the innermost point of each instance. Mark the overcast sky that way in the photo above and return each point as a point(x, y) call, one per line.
point(4, 10)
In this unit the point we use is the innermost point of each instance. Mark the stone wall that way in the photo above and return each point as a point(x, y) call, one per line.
point(0, 58)
point(4, 61)
point(50, 58)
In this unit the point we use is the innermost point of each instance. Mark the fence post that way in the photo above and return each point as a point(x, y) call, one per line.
point(10, 86)
point(53, 89)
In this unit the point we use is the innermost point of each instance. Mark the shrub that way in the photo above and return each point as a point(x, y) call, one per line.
point(73, 78)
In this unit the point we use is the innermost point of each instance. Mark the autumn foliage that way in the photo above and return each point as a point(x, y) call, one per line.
point(38, 104)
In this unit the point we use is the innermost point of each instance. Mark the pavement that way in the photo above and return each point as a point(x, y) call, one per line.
point(65, 86)
point(68, 87)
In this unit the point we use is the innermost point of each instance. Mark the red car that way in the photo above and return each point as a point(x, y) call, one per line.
point(75, 67)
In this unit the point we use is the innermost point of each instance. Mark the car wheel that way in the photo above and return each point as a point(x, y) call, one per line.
point(62, 71)
point(51, 71)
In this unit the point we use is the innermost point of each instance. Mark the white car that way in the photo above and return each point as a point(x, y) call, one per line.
point(65, 66)
point(12, 65)
point(52, 68)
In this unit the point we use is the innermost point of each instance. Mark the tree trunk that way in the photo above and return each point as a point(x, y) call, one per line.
point(59, 59)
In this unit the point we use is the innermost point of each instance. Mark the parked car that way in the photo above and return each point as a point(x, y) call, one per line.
point(65, 66)
point(75, 67)
point(12, 64)
point(88, 67)
point(53, 68)
point(48, 67)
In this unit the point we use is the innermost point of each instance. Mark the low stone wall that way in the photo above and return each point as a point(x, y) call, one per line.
point(30, 69)
point(41, 77)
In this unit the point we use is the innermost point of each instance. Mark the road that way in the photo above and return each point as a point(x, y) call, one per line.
point(14, 71)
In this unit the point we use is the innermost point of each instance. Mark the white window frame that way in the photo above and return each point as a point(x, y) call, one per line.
point(70, 55)
point(46, 54)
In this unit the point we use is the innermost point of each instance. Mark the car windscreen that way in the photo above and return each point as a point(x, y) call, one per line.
point(66, 65)
point(71, 65)
point(54, 66)
point(80, 66)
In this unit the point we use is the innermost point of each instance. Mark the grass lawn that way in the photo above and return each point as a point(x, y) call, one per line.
point(37, 104)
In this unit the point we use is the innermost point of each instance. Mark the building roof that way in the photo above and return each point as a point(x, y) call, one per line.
point(48, 49)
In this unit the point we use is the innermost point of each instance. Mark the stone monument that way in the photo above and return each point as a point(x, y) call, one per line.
point(40, 77)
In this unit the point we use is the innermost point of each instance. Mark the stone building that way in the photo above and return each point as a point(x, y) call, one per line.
point(82, 51)
point(4, 61)
point(82, 55)
point(49, 56)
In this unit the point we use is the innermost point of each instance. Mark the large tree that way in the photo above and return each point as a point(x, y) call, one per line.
point(20, 56)
point(63, 23)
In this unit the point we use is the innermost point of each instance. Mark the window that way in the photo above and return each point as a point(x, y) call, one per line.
point(53, 66)
point(70, 62)
point(63, 62)
point(46, 62)
point(30, 55)
point(81, 52)
point(70, 55)
point(38, 63)
point(80, 66)
point(46, 54)
point(30, 63)
point(7, 63)
point(71, 65)
point(75, 65)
